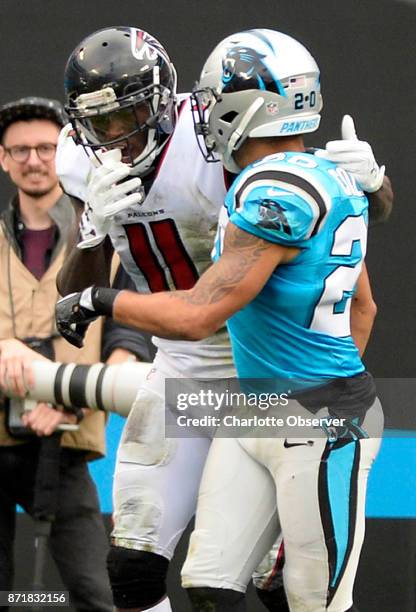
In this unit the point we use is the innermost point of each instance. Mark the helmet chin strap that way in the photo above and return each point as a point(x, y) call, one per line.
point(239, 131)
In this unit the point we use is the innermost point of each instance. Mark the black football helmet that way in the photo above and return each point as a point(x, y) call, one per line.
point(120, 88)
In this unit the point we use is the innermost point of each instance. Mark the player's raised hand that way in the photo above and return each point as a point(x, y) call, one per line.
point(355, 156)
point(108, 182)
point(108, 193)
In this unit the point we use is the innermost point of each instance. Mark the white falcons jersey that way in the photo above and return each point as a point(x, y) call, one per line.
point(165, 243)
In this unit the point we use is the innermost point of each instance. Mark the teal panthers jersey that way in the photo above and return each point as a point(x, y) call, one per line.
point(298, 326)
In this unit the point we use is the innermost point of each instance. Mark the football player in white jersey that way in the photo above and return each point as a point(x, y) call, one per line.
point(121, 92)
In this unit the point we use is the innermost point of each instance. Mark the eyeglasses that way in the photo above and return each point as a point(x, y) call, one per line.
point(20, 153)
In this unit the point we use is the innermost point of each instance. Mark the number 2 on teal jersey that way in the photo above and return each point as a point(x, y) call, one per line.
point(332, 313)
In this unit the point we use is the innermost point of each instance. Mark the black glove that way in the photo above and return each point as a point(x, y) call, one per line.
point(74, 312)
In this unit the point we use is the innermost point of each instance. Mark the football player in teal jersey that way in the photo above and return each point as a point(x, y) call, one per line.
point(289, 268)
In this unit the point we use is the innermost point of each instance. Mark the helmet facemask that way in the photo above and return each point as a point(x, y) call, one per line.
point(203, 100)
point(138, 124)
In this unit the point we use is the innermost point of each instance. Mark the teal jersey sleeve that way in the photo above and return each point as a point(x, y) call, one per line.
point(277, 206)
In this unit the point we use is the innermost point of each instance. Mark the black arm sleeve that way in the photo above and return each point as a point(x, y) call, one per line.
point(116, 335)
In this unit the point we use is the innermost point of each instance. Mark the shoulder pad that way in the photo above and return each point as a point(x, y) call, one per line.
point(286, 205)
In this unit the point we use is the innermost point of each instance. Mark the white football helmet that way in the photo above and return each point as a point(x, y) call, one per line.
point(255, 84)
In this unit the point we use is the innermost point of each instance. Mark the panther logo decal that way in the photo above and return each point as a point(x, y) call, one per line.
point(245, 68)
point(272, 216)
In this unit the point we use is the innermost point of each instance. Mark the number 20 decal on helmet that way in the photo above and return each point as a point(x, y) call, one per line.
point(258, 83)
point(120, 90)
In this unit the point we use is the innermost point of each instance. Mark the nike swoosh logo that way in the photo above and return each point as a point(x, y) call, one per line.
point(289, 445)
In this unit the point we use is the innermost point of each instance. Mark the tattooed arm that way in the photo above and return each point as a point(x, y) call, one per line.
point(227, 286)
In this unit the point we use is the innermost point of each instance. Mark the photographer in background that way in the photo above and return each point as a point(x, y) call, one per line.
point(33, 243)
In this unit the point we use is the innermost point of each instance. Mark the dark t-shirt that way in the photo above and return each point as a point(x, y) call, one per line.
point(37, 247)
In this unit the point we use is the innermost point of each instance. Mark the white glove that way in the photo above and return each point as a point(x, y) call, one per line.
point(106, 197)
point(73, 165)
point(355, 156)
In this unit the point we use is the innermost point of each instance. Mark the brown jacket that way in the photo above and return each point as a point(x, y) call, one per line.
point(27, 307)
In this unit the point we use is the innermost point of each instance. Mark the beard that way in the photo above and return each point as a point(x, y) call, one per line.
point(38, 193)
point(42, 184)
